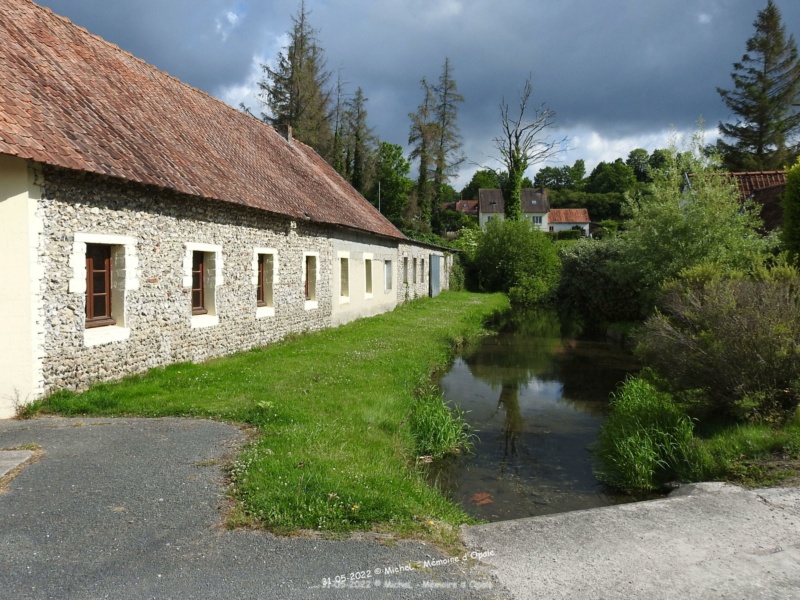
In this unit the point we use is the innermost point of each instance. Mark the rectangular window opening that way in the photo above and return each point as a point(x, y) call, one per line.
point(266, 272)
point(368, 275)
point(311, 278)
point(199, 274)
point(344, 277)
point(388, 274)
point(98, 286)
point(405, 269)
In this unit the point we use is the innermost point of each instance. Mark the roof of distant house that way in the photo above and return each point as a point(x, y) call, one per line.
point(72, 100)
point(568, 215)
point(750, 181)
point(467, 207)
point(532, 200)
point(769, 198)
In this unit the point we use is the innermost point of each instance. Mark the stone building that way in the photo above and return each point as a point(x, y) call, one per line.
point(143, 222)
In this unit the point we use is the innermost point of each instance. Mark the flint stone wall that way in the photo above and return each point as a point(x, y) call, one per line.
point(158, 312)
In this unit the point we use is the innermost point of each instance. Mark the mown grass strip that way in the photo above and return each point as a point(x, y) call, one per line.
point(335, 451)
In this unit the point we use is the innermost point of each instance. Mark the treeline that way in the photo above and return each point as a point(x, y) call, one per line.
point(299, 92)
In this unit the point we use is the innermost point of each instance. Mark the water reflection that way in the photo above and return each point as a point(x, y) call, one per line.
point(537, 400)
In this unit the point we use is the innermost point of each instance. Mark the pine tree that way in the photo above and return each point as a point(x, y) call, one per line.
point(764, 99)
point(359, 142)
point(295, 91)
point(447, 144)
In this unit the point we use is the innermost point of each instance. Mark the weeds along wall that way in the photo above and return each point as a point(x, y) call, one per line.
point(187, 279)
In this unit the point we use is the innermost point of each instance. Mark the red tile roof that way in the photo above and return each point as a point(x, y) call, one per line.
point(72, 100)
point(748, 182)
point(568, 215)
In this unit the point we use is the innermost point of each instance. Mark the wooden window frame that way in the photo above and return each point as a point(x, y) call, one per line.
point(198, 283)
point(310, 261)
point(93, 319)
point(266, 279)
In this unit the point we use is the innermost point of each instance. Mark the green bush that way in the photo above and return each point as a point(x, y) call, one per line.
point(515, 254)
point(591, 288)
point(646, 441)
point(572, 234)
point(457, 274)
point(735, 339)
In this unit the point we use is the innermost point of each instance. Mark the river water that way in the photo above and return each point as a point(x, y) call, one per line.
point(536, 395)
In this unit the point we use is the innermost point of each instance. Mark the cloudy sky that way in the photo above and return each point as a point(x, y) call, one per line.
point(619, 74)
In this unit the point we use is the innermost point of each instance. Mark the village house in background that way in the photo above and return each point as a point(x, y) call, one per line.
point(535, 208)
point(143, 222)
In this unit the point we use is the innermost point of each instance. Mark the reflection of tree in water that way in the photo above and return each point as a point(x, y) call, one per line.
point(513, 423)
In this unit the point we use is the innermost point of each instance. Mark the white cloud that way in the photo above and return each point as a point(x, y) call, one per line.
point(245, 92)
point(226, 24)
point(704, 18)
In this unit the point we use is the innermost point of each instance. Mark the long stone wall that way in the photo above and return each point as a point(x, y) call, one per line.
point(154, 232)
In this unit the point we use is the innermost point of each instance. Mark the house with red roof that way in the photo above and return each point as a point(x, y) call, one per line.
point(566, 219)
point(143, 222)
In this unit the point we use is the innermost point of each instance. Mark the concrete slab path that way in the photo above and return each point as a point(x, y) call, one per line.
point(704, 541)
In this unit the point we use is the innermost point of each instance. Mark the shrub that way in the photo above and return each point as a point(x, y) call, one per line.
point(515, 254)
point(591, 288)
point(457, 274)
point(572, 234)
point(736, 339)
point(646, 441)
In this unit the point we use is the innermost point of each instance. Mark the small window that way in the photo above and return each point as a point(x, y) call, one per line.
point(368, 276)
point(344, 277)
point(537, 220)
point(414, 270)
point(98, 285)
point(388, 274)
point(266, 277)
point(310, 278)
point(198, 283)
point(421, 270)
point(405, 270)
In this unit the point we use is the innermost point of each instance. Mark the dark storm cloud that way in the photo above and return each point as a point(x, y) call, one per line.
point(612, 69)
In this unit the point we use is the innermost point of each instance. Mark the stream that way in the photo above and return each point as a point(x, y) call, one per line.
point(536, 395)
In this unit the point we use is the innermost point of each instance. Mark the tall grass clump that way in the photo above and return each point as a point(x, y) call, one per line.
point(438, 429)
point(646, 441)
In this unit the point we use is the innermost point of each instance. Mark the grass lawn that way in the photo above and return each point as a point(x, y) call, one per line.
point(335, 451)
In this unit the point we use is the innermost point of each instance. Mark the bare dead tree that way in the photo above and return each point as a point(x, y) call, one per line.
point(523, 144)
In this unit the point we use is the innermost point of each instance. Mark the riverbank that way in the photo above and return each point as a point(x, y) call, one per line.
point(332, 449)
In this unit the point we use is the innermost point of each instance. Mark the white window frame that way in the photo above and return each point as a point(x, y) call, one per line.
point(266, 311)
point(124, 278)
point(212, 283)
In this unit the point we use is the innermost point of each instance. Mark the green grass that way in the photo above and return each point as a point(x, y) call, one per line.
point(335, 451)
point(648, 441)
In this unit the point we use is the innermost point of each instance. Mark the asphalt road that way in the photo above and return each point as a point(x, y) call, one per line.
point(133, 509)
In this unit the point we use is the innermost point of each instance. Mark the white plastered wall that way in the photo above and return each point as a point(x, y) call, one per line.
point(21, 330)
point(358, 302)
